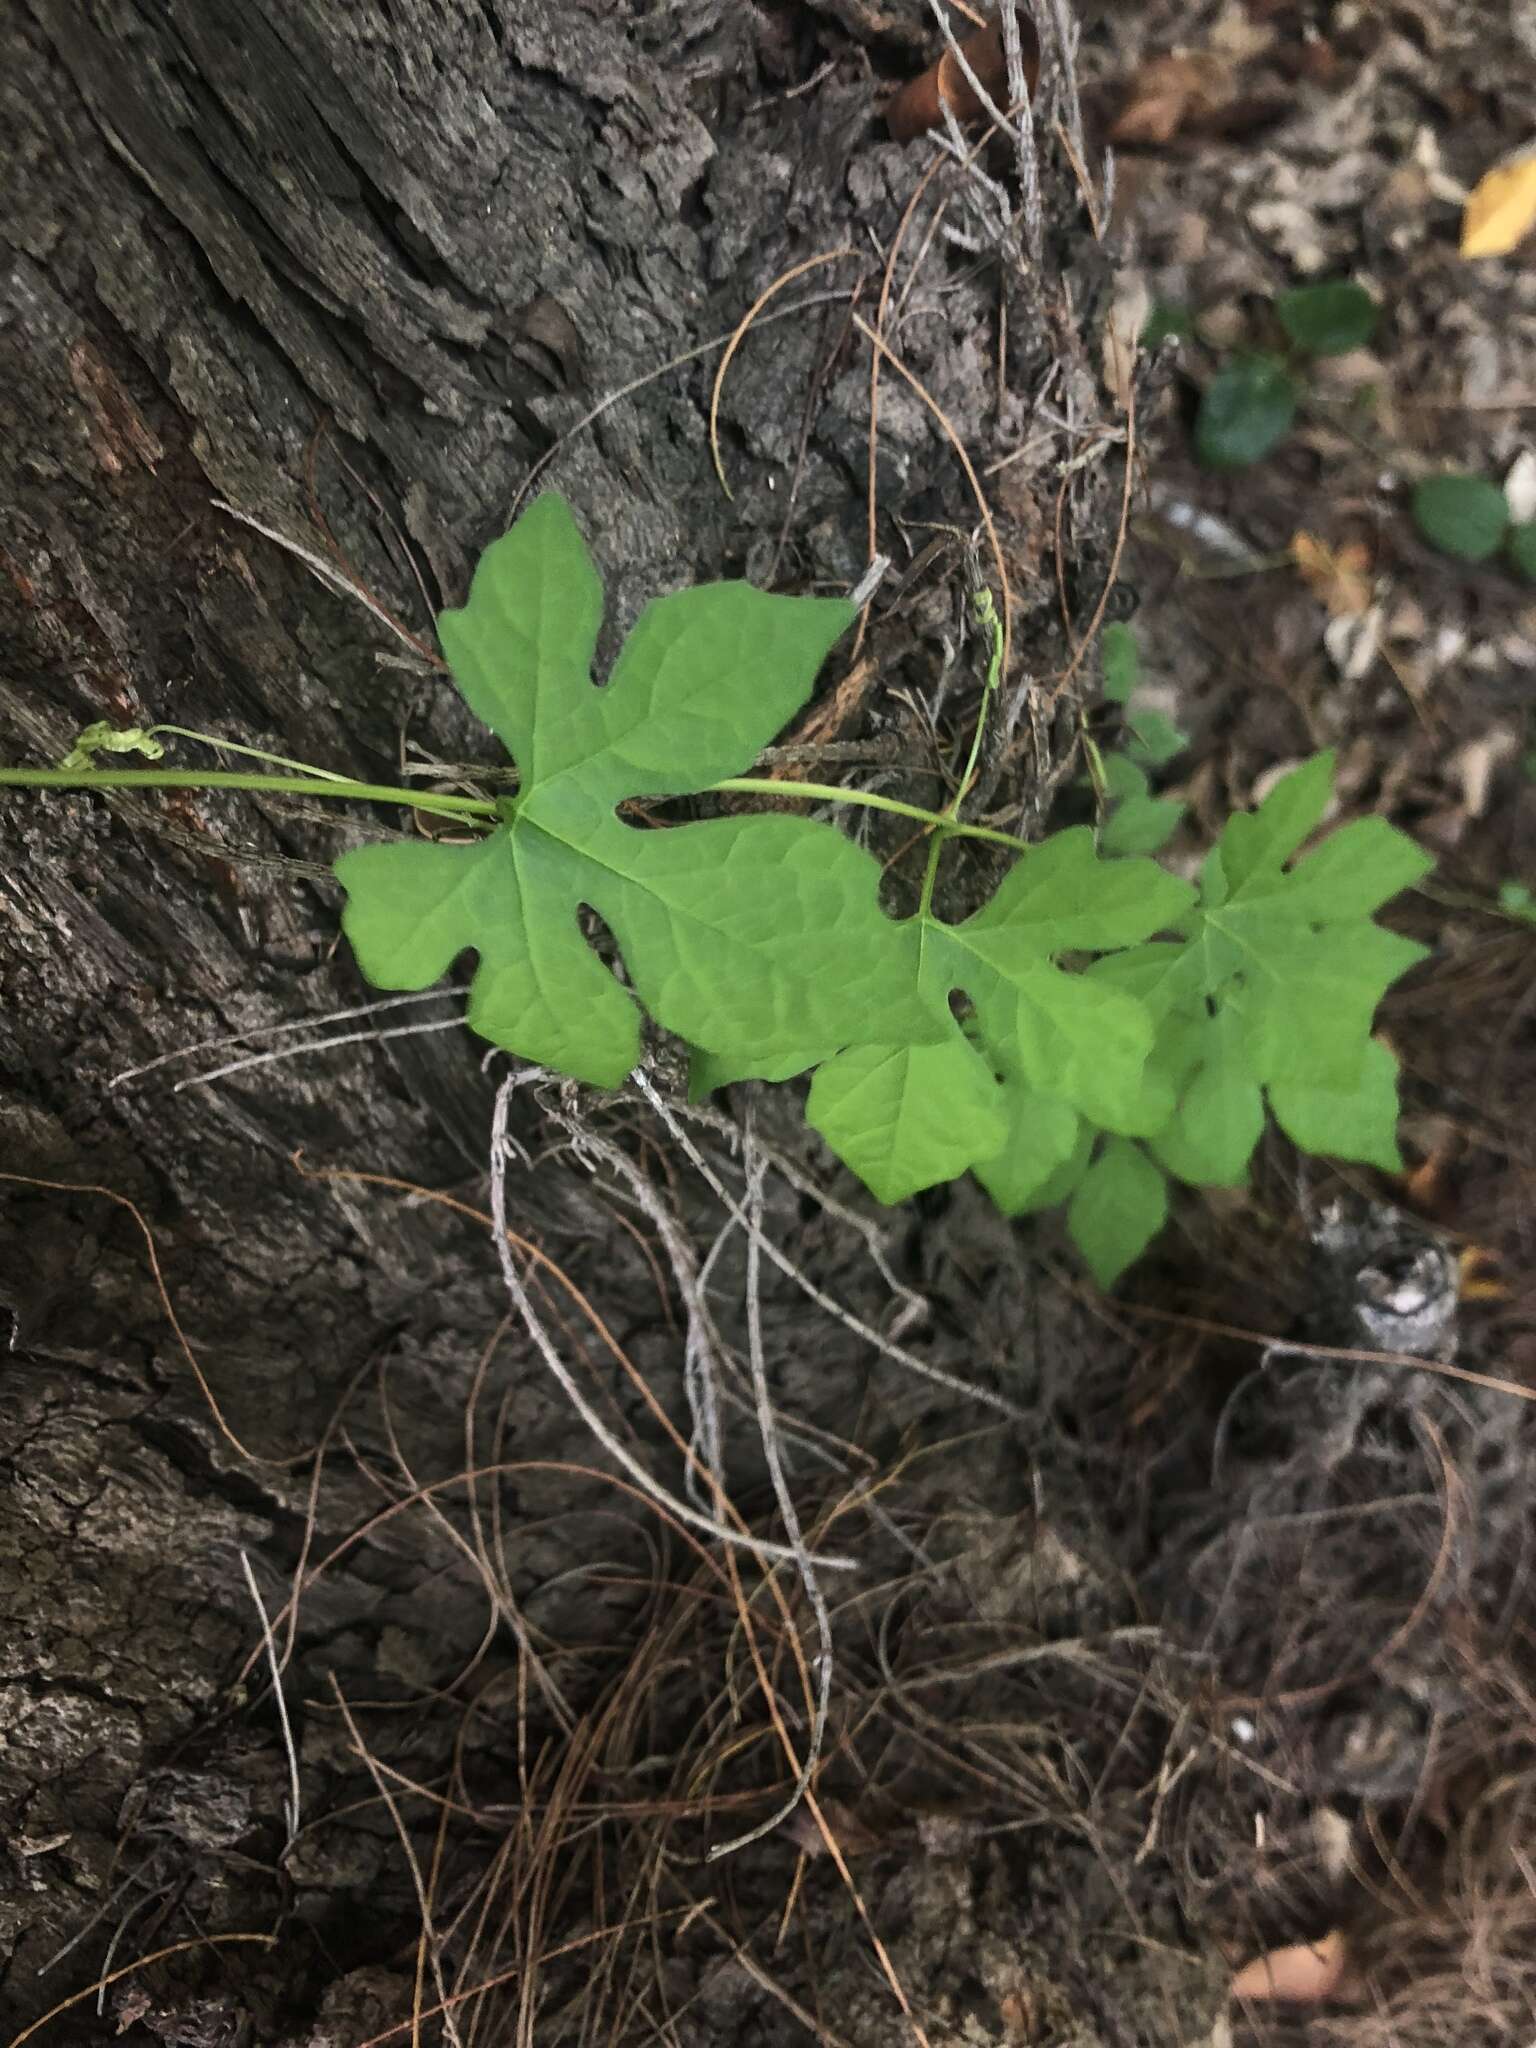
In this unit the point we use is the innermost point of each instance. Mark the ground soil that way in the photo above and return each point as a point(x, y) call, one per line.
point(358, 275)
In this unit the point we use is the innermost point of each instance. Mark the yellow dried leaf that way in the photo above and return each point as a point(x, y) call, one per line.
point(1308, 1974)
point(1339, 577)
point(1501, 210)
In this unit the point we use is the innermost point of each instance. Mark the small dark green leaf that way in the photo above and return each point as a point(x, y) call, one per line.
point(1327, 319)
point(1521, 548)
point(1122, 662)
point(1464, 516)
point(1517, 900)
point(1246, 411)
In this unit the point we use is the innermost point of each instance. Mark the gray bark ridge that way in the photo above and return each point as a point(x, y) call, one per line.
point(423, 230)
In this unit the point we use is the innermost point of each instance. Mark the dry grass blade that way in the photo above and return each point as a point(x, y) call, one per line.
point(983, 506)
point(159, 1955)
point(739, 335)
point(334, 579)
point(677, 362)
point(65, 1187)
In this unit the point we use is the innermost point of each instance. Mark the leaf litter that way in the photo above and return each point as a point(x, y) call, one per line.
point(1416, 666)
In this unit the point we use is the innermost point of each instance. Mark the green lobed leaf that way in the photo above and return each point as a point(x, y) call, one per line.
point(1059, 1184)
point(540, 990)
point(1307, 999)
point(1123, 779)
point(1076, 1038)
point(1122, 662)
point(1220, 1115)
point(1043, 1136)
point(1291, 951)
point(1063, 898)
point(1353, 872)
point(1179, 1045)
point(1357, 1122)
point(1275, 983)
point(1328, 319)
point(1464, 516)
point(909, 1116)
point(758, 939)
point(1253, 841)
point(1245, 412)
point(1042, 1034)
point(1140, 824)
point(1283, 970)
point(1120, 1205)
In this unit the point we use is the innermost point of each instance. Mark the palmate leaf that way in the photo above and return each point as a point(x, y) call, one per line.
point(759, 939)
point(1276, 988)
point(1038, 1049)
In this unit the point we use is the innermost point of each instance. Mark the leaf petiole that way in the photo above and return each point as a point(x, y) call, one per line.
point(323, 783)
point(986, 617)
point(930, 875)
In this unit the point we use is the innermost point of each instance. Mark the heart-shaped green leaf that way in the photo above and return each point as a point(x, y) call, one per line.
point(1328, 319)
point(1245, 411)
point(1464, 516)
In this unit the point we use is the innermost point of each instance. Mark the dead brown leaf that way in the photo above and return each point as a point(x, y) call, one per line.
point(920, 104)
point(1122, 335)
point(852, 1835)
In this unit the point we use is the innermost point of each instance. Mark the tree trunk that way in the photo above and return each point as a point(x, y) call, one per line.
point(296, 294)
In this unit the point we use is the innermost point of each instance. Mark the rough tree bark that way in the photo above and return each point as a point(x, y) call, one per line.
point(350, 269)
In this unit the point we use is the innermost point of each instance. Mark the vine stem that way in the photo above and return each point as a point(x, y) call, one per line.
point(210, 739)
point(324, 784)
point(826, 792)
point(230, 778)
